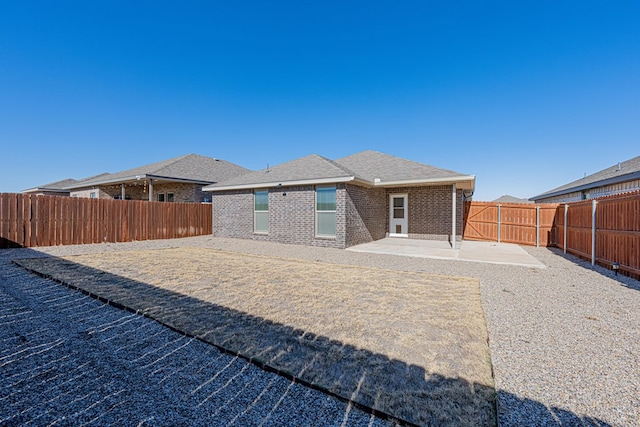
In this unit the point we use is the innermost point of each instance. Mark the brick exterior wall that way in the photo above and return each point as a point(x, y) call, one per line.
point(366, 216)
point(183, 192)
point(86, 192)
point(233, 215)
point(291, 216)
point(430, 211)
point(362, 215)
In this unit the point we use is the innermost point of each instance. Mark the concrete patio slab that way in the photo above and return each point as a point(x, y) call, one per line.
point(487, 252)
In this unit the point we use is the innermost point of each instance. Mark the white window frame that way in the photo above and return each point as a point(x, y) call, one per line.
point(170, 196)
point(256, 212)
point(160, 195)
point(317, 223)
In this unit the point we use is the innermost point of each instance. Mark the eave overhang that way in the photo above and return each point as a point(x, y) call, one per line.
point(463, 182)
point(596, 184)
point(133, 179)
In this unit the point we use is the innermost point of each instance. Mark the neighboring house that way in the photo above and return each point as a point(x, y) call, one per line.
point(356, 199)
point(511, 199)
point(52, 189)
point(620, 178)
point(175, 180)
point(59, 188)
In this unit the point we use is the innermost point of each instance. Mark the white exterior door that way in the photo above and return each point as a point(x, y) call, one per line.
point(398, 215)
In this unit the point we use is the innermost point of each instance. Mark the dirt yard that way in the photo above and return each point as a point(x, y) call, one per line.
point(413, 345)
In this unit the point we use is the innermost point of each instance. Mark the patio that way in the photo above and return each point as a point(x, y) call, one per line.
point(486, 252)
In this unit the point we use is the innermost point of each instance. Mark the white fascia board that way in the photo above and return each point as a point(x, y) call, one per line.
point(280, 183)
point(124, 180)
point(104, 182)
point(414, 182)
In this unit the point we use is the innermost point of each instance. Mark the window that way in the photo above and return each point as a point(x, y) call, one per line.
point(93, 195)
point(169, 197)
point(261, 212)
point(161, 197)
point(326, 211)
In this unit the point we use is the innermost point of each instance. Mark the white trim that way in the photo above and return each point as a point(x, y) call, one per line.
point(134, 178)
point(470, 179)
point(320, 181)
point(398, 235)
point(445, 180)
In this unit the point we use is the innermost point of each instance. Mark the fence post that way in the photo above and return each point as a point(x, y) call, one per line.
point(566, 215)
point(594, 203)
point(499, 222)
point(537, 226)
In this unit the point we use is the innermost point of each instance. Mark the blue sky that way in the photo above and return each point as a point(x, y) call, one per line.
point(527, 96)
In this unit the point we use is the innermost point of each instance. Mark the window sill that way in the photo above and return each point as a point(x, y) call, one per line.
point(261, 233)
point(325, 237)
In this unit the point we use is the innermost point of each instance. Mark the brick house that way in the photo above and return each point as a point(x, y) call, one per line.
point(179, 179)
point(621, 178)
point(356, 199)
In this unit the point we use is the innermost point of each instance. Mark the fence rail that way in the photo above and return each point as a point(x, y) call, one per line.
point(30, 221)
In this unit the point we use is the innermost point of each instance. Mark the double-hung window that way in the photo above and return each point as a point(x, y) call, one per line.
point(261, 211)
point(326, 211)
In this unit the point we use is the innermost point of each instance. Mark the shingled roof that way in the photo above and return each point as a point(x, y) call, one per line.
point(371, 165)
point(624, 171)
point(192, 168)
point(367, 168)
point(53, 187)
point(506, 198)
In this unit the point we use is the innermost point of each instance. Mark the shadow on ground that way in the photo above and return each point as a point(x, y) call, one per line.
point(390, 388)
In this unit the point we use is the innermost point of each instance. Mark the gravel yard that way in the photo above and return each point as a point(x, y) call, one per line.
point(565, 340)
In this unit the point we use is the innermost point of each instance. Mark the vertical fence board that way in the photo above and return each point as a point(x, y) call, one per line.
point(517, 223)
point(30, 221)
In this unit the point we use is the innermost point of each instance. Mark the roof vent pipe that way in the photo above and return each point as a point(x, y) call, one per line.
point(619, 167)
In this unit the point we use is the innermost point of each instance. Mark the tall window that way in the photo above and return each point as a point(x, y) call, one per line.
point(261, 212)
point(326, 211)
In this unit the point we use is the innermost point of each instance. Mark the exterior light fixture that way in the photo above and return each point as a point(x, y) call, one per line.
point(615, 267)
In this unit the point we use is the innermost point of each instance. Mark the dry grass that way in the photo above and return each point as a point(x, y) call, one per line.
point(410, 344)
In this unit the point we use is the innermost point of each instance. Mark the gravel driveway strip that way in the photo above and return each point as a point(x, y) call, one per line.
point(565, 340)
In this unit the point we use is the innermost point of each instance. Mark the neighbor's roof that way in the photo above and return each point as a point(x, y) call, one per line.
point(57, 186)
point(621, 172)
point(367, 168)
point(511, 199)
point(189, 168)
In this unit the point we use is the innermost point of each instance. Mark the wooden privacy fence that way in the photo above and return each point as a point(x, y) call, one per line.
point(30, 221)
point(521, 223)
point(604, 230)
